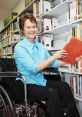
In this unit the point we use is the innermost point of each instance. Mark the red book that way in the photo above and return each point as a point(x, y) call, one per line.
point(74, 50)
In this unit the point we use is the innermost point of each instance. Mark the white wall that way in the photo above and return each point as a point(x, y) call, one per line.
point(19, 7)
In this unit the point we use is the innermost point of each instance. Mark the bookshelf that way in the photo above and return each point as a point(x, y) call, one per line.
point(10, 34)
point(54, 34)
point(64, 27)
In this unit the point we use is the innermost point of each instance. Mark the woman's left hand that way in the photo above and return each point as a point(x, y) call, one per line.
point(79, 58)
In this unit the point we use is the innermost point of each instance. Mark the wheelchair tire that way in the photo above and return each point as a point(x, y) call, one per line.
point(6, 108)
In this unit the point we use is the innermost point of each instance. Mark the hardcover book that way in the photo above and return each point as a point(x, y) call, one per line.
point(74, 50)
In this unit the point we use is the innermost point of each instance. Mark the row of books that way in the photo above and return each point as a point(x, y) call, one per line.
point(44, 6)
point(53, 41)
point(77, 31)
point(76, 85)
point(7, 50)
point(10, 29)
point(75, 68)
point(52, 22)
point(46, 24)
point(74, 11)
point(78, 66)
point(46, 40)
point(63, 37)
point(69, 15)
point(11, 39)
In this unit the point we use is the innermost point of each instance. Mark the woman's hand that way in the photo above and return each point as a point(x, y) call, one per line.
point(79, 58)
point(60, 54)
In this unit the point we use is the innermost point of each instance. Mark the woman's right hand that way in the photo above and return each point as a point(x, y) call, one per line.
point(60, 54)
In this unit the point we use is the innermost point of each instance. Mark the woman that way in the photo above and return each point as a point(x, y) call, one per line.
point(31, 58)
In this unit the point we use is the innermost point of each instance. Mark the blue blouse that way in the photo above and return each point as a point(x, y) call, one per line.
point(27, 56)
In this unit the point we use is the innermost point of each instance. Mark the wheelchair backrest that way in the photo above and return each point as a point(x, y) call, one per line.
point(7, 64)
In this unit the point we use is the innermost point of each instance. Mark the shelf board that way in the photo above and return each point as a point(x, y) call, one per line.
point(57, 10)
point(52, 49)
point(61, 27)
point(16, 31)
point(66, 70)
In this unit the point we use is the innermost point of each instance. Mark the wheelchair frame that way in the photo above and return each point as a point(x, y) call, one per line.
point(17, 110)
point(5, 101)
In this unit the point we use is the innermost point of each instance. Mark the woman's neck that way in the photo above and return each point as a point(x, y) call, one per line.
point(31, 40)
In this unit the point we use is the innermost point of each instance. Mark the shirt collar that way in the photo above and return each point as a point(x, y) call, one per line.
point(32, 45)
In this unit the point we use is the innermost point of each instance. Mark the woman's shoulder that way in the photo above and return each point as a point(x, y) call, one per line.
point(19, 44)
point(40, 44)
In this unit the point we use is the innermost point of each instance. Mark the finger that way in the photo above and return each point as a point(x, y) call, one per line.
point(79, 58)
point(64, 51)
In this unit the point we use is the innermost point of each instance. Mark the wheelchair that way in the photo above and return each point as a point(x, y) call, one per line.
point(10, 108)
point(26, 108)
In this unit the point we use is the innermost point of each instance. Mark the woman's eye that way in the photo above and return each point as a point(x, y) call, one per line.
point(34, 26)
point(28, 27)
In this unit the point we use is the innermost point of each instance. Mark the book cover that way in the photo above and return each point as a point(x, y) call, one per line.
point(74, 50)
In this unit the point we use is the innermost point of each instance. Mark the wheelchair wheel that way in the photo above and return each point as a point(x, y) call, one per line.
point(6, 108)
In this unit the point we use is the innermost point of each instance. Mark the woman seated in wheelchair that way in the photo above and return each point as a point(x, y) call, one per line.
point(31, 59)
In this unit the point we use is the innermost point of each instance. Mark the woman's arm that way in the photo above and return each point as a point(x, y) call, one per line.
point(46, 63)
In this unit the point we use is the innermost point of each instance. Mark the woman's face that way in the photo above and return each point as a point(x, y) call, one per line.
point(30, 30)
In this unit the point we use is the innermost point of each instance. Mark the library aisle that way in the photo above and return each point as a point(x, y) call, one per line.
point(57, 22)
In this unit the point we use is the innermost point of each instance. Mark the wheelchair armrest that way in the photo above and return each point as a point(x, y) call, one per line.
point(19, 75)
